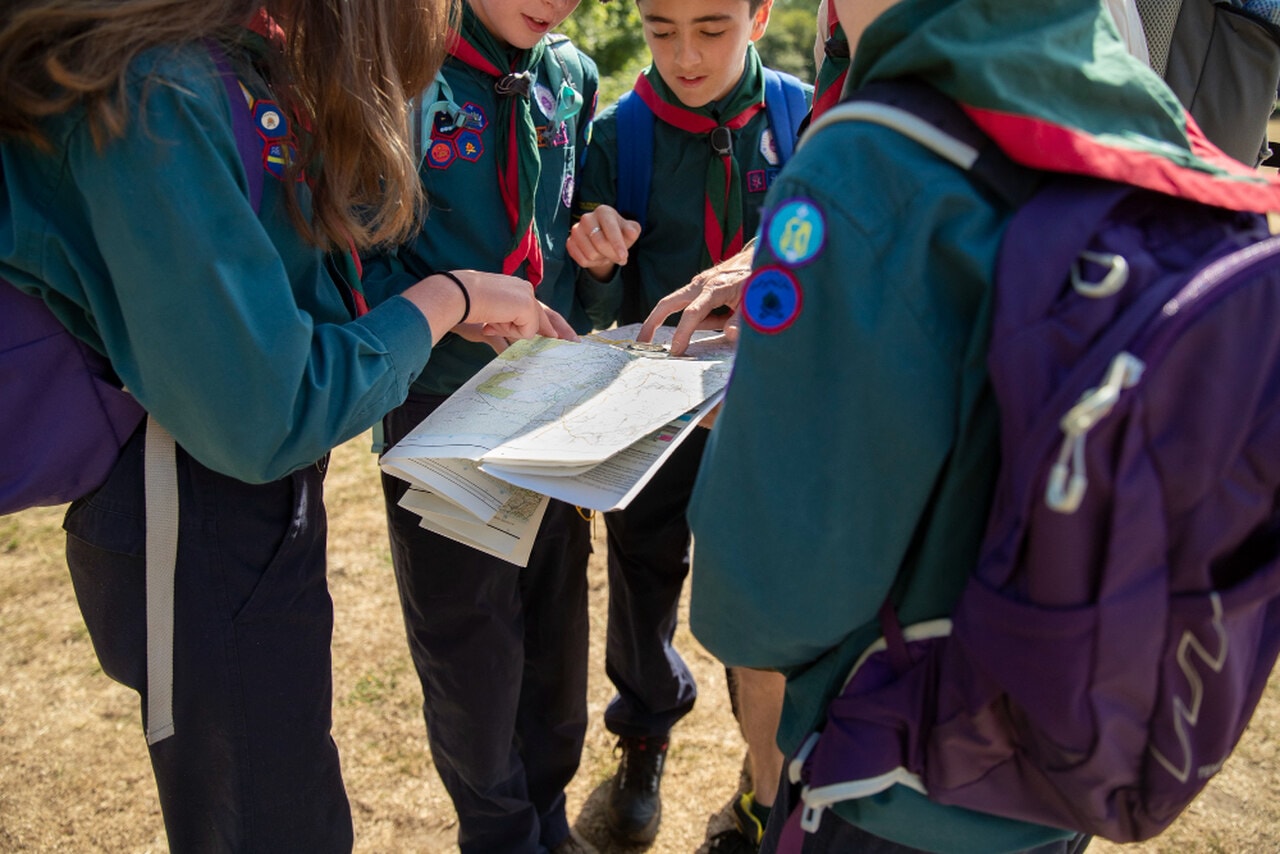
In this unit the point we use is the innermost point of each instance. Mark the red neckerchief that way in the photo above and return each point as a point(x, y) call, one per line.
point(264, 25)
point(527, 246)
point(687, 120)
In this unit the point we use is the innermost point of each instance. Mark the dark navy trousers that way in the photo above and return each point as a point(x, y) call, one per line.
point(648, 563)
point(252, 765)
point(501, 653)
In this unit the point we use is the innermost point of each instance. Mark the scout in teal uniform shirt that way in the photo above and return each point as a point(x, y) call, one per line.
point(247, 417)
point(500, 650)
point(125, 204)
point(674, 248)
point(470, 224)
point(703, 204)
point(857, 446)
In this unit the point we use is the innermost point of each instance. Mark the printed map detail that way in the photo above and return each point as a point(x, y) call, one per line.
point(545, 413)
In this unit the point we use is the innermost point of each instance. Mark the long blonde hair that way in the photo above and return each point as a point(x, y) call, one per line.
point(349, 66)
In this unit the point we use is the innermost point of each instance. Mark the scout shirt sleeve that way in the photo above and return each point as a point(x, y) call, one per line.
point(597, 185)
point(384, 276)
point(206, 318)
point(839, 417)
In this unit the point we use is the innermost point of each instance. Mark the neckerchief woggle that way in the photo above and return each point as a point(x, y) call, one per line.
point(519, 163)
point(722, 213)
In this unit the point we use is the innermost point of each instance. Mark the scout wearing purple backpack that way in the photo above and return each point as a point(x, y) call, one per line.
point(153, 205)
point(841, 509)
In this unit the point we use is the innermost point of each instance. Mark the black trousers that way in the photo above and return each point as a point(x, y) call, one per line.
point(501, 653)
point(252, 765)
point(648, 564)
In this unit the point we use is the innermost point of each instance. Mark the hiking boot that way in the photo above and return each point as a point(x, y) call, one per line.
point(745, 836)
point(749, 824)
point(574, 844)
point(731, 841)
point(635, 806)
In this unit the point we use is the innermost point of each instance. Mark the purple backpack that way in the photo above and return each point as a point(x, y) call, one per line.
point(65, 417)
point(1118, 630)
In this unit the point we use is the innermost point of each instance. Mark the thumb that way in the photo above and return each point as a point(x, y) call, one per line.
point(630, 231)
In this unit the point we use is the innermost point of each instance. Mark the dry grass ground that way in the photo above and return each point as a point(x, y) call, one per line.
point(74, 775)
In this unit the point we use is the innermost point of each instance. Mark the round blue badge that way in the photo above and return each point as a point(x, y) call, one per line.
point(771, 300)
point(797, 232)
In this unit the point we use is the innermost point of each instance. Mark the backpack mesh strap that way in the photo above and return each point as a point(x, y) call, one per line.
point(1159, 20)
point(926, 116)
point(160, 479)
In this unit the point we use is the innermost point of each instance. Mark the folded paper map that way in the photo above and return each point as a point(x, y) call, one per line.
point(586, 422)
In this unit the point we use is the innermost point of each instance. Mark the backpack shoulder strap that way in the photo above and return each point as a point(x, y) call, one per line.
point(635, 155)
point(926, 116)
point(248, 143)
point(787, 105)
point(563, 62)
point(435, 99)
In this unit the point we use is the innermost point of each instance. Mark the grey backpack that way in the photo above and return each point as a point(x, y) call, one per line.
point(1222, 59)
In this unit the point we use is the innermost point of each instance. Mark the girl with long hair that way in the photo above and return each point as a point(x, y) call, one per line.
point(176, 177)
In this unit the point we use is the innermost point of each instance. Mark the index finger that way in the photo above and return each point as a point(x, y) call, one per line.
point(553, 325)
point(665, 307)
point(697, 315)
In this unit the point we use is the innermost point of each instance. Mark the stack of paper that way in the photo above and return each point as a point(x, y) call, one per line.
point(586, 422)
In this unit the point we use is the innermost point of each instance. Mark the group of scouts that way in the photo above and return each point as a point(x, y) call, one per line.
point(852, 416)
point(529, 185)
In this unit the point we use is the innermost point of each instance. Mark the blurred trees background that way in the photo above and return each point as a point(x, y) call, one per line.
point(609, 32)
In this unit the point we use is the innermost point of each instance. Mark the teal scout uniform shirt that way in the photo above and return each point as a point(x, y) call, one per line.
point(223, 323)
point(845, 431)
point(669, 252)
point(857, 449)
point(467, 227)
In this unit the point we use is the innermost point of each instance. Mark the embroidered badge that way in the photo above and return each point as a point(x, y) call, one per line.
point(278, 149)
point(549, 136)
point(456, 135)
point(469, 145)
point(476, 119)
point(566, 188)
point(276, 158)
point(772, 176)
point(771, 300)
point(769, 147)
point(757, 182)
point(545, 100)
point(441, 153)
point(797, 232)
point(446, 125)
point(271, 122)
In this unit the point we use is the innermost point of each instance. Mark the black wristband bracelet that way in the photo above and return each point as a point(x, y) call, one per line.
point(466, 297)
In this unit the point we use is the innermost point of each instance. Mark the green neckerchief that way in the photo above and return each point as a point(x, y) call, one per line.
point(834, 69)
point(519, 163)
point(723, 216)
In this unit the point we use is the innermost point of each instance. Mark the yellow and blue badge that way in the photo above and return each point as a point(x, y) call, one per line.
point(797, 232)
point(469, 145)
point(771, 300)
